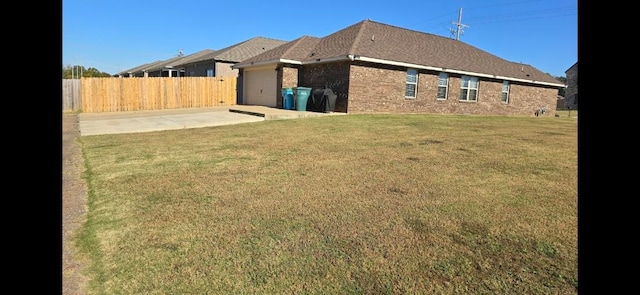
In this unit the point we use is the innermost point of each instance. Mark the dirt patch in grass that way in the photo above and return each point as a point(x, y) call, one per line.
point(74, 206)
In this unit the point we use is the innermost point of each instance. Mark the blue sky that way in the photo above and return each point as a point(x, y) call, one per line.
point(116, 35)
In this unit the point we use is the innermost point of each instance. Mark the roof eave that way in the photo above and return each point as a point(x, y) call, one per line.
point(264, 62)
point(330, 59)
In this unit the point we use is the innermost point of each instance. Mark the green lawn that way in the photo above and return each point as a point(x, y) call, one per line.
point(356, 204)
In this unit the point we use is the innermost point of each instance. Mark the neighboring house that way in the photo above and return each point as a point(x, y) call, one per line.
point(379, 68)
point(137, 71)
point(207, 63)
point(164, 68)
point(160, 69)
point(219, 62)
point(571, 93)
point(560, 103)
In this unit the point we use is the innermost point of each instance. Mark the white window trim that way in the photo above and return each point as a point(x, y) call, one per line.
point(210, 71)
point(412, 83)
point(508, 88)
point(446, 87)
point(467, 89)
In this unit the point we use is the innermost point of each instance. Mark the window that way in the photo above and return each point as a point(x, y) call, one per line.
point(505, 92)
point(469, 88)
point(412, 84)
point(209, 73)
point(443, 84)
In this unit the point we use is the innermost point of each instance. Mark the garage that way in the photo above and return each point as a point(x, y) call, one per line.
point(260, 86)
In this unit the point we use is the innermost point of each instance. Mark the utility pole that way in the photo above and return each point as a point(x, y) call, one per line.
point(459, 25)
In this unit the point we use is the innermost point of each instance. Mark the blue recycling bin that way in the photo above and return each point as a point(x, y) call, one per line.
point(287, 98)
point(302, 95)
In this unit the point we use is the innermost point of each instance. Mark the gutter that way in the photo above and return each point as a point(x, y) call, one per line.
point(403, 64)
point(265, 62)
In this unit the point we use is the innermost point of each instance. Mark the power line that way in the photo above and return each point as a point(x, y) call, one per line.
point(501, 4)
point(459, 26)
point(472, 8)
point(528, 13)
point(522, 19)
point(487, 19)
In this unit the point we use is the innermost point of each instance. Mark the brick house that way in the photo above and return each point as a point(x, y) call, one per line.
point(165, 68)
point(218, 63)
point(571, 93)
point(379, 68)
point(160, 68)
point(207, 62)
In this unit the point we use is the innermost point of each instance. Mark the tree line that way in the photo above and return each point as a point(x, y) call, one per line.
point(76, 71)
point(562, 79)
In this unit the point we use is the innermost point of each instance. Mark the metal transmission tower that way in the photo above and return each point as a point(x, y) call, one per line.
point(459, 26)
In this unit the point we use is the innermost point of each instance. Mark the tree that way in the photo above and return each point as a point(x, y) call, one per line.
point(76, 71)
point(562, 79)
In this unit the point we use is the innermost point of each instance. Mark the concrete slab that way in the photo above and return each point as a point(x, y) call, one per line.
point(147, 121)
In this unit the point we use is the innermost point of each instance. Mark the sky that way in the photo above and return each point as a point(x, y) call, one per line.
point(117, 35)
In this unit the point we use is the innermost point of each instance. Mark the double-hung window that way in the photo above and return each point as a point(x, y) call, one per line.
point(469, 88)
point(443, 85)
point(505, 92)
point(210, 73)
point(411, 85)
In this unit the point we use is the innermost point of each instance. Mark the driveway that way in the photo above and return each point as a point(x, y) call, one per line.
point(146, 121)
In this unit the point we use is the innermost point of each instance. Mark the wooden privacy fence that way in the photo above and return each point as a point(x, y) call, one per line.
point(71, 95)
point(155, 93)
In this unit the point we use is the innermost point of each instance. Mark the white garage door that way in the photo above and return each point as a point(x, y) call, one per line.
point(260, 87)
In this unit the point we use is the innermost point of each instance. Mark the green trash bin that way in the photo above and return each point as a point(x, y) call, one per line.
point(302, 95)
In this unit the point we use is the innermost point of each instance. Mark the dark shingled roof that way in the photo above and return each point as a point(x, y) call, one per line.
point(389, 44)
point(191, 57)
point(296, 50)
point(175, 62)
point(233, 53)
point(141, 67)
point(161, 65)
point(242, 50)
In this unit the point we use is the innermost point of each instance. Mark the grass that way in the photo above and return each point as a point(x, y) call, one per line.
point(357, 204)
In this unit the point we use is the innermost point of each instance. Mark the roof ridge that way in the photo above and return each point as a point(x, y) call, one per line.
point(295, 43)
point(358, 35)
point(412, 30)
point(265, 38)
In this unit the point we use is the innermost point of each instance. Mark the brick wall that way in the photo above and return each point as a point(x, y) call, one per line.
point(571, 92)
point(287, 78)
point(331, 75)
point(382, 89)
point(198, 69)
point(220, 69)
point(224, 69)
